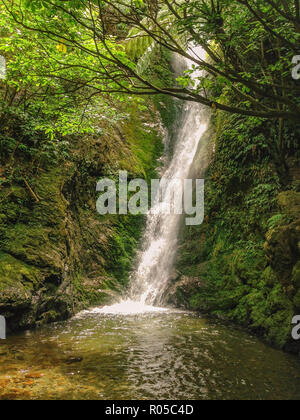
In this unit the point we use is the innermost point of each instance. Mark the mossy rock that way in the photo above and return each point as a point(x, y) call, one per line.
point(269, 277)
point(14, 272)
point(282, 248)
point(57, 254)
point(289, 201)
point(279, 327)
point(296, 276)
point(297, 301)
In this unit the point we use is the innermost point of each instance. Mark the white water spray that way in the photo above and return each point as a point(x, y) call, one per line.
point(160, 241)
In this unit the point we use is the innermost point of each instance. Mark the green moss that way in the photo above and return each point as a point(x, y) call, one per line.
point(289, 201)
point(244, 278)
point(159, 74)
point(14, 272)
point(279, 327)
point(296, 276)
point(47, 317)
point(57, 255)
point(296, 301)
point(269, 277)
point(145, 145)
point(122, 247)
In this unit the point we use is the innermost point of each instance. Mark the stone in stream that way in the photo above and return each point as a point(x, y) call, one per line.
point(72, 360)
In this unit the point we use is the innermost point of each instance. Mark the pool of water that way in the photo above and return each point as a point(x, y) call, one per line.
point(153, 355)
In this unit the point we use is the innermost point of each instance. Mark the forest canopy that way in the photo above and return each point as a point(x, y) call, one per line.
point(78, 53)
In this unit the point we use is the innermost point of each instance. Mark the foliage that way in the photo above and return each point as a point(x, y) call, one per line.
point(97, 45)
point(31, 91)
point(57, 254)
point(241, 254)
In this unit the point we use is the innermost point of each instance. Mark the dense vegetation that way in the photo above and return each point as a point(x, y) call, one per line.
point(84, 81)
point(56, 254)
point(249, 47)
point(242, 264)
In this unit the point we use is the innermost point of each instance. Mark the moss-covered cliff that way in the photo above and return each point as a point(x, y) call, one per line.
point(57, 255)
point(242, 264)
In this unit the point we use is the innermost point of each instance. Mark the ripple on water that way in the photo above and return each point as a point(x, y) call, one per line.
point(144, 355)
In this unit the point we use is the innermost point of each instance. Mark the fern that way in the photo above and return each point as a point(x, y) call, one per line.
point(139, 44)
point(275, 221)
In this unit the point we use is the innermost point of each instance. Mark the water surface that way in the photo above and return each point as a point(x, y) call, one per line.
point(153, 355)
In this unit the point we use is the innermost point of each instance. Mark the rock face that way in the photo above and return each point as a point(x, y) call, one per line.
point(243, 263)
point(178, 294)
point(57, 255)
point(263, 295)
point(282, 249)
point(282, 246)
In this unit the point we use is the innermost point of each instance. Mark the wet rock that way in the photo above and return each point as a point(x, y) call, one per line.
point(34, 375)
point(58, 256)
point(282, 245)
point(72, 360)
point(282, 250)
point(289, 202)
point(180, 292)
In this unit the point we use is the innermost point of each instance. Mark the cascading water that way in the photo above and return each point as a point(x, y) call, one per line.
point(155, 262)
point(174, 355)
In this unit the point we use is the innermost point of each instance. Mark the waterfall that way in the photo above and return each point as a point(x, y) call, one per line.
point(160, 240)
